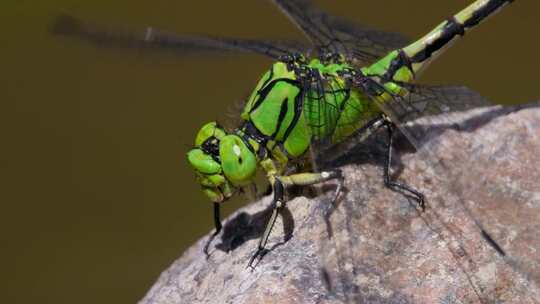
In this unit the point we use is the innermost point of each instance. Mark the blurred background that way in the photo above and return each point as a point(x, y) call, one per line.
point(96, 196)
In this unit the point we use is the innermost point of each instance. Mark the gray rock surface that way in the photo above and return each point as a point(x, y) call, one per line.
point(374, 246)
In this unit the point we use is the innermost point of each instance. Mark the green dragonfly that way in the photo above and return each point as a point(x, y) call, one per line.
point(317, 99)
point(351, 81)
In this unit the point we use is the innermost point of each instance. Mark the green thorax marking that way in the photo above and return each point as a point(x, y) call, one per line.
point(289, 112)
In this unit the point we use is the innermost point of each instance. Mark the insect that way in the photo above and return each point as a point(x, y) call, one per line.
point(320, 99)
point(351, 82)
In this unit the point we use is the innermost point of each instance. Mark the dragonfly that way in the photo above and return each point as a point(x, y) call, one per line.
point(348, 83)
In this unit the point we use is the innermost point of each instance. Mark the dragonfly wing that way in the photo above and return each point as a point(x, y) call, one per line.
point(423, 117)
point(445, 171)
point(152, 38)
point(429, 103)
point(332, 111)
point(321, 114)
point(359, 43)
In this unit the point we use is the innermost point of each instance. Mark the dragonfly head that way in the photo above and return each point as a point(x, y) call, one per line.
point(222, 162)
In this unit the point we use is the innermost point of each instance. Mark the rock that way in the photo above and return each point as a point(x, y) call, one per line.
point(374, 245)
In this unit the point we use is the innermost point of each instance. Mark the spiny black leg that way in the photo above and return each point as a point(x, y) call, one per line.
point(278, 204)
point(217, 224)
point(399, 187)
point(282, 182)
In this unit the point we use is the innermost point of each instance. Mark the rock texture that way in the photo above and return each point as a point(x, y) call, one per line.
point(374, 245)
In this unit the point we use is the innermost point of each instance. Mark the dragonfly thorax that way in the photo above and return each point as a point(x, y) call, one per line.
point(294, 105)
point(297, 103)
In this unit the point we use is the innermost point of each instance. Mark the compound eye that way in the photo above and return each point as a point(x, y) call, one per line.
point(237, 161)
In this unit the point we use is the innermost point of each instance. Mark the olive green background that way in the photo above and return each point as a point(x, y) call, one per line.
point(96, 196)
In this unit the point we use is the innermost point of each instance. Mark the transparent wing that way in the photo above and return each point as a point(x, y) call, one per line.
point(469, 224)
point(430, 101)
point(338, 128)
point(321, 112)
point(322, 115)
point(152, 38)
point(334, 111)
point(423, 117)
point(358, 43)
point(423, 101)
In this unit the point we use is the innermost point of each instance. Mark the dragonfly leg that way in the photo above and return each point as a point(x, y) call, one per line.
point(217, 224)
point(279, 186)
point(396, 186)
point(278, 204)
point(307, 179)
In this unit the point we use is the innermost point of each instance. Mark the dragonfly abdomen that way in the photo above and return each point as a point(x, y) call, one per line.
point(435, 42)
point(404, 65)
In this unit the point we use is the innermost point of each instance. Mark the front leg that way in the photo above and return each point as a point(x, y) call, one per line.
point(217, 224)
point(279, 186)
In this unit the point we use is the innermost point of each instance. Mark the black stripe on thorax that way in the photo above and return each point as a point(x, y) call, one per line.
point(249, 131)
point(270, 76)
point(282, 113)
point(298, 106)
point(263, 93)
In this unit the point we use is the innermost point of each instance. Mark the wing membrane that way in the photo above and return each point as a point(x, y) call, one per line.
point(70, 26)
point(428, 102)
point(422, 117)
point(331, 120)
point(329, 33)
